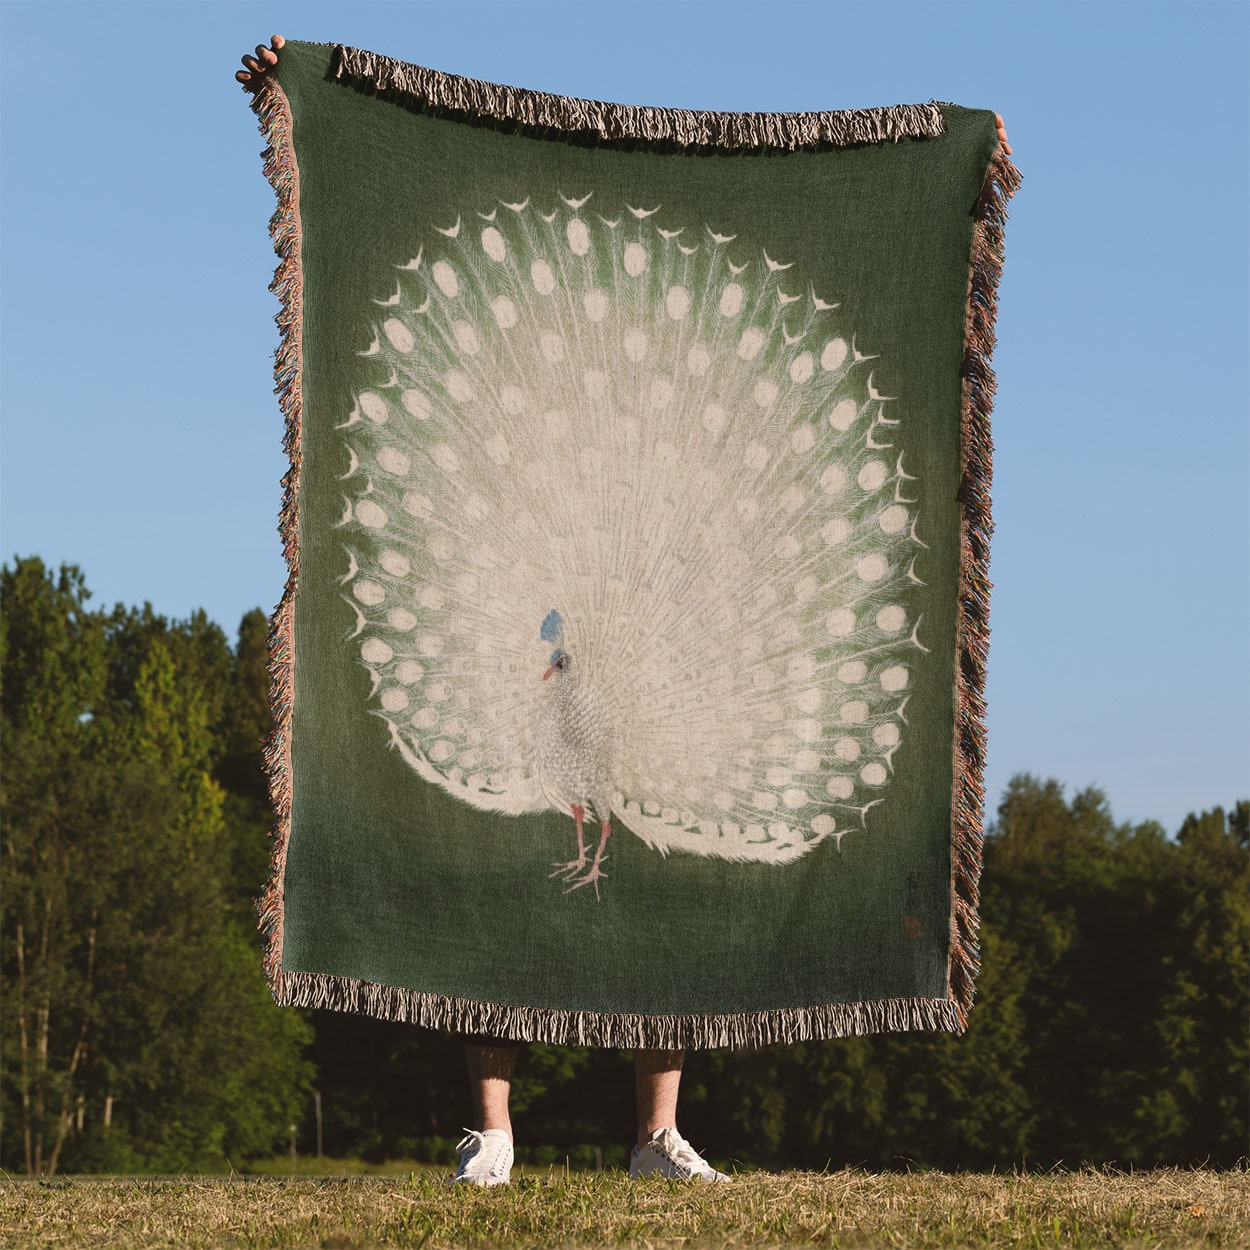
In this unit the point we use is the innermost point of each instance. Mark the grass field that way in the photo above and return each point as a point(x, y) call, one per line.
point(840, 1209)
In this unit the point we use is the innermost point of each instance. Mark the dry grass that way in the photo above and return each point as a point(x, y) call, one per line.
point(842, 1209)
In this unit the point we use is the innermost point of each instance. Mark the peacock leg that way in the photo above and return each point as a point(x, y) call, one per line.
point(574, 865)
point(595, 874)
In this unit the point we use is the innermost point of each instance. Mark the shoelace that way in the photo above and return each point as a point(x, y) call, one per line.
point(490, 1160)
point(683, 1153)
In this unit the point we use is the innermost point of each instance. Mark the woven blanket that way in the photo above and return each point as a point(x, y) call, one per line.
point(628, 678)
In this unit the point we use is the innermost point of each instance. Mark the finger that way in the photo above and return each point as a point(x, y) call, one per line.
point(242, 76)
point(265, 56)
point(250, 62)
point(278, 43)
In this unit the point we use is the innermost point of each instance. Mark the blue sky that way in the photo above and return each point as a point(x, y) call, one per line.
point(141, 438)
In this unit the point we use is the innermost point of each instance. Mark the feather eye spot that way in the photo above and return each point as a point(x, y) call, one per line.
point(842, 415)
point(409, 672)
point(833, 355)
point(894, 678)
point(894, 519)
point(416, 405)
point(801, 368)
point(872, 567)
point(374, 407)
point(394, 699)
point(873, 774)
point(446, 279)
point(891, 619)
point(872, 476)
point(766, 392)
point(847, 750)
point(375, 651)
point(392, 460)
point(415, 504)
point(369, 592)
point(398, 335)
point(835, 531)
point(394, 563)
point(552, 347)
point(853, 713)
point(504, 311)
point(731, 299)
point(802, 440)
point(635, 259)
point(794, 798)
point(577, 236)
point(886, 735)
point(370, 515)
point(751, 343)
point(401, 620)
point(833, 479)
point(458, 386)
point(677, 303)
point(635, 343)
point(493, 244)
point(840, 622)
point(596, 304)
point(543, 277)
point(839, 787)
point(852, 672)
point(823, 825)
point(424, 718)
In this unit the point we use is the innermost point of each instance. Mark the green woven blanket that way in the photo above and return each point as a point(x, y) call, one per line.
point(628, 677)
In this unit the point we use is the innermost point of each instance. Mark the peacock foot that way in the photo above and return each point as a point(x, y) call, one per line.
point(571, 869)
point(593, 877)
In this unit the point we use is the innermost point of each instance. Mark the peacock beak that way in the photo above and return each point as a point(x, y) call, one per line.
point(551, 668)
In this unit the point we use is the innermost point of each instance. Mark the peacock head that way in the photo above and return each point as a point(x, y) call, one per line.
point(553, 631)
point(561, 662)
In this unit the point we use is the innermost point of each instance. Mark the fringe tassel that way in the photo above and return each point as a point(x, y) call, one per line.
point(595, 1028)
point(685, 127)
point(274, 112)
point(1002, 179)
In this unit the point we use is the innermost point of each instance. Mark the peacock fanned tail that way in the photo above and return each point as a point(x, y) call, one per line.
point(668, 436)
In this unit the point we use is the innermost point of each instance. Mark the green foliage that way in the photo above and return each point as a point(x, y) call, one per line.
point(1111, 1022)
point(138, 1029)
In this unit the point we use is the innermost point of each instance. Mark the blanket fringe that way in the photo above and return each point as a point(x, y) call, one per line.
point(688, 128)
point(274, 113)
point(595, 1028)
point(685, 127)
point(973, 624)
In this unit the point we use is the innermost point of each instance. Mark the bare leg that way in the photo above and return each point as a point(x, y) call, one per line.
point(490, 1081)
point(657, 1078)
point(574, 866)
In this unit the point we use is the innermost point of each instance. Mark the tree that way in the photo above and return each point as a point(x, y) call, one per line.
point(139, 1027)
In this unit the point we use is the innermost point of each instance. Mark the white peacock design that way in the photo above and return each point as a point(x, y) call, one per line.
point(656, 448)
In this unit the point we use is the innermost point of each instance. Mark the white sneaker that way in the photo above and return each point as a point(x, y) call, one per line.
point(485, 1158)
point(668, 1153)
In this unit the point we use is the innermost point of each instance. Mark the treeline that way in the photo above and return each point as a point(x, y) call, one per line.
point(137, 1032)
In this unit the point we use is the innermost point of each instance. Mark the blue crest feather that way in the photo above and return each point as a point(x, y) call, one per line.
point(553, 627)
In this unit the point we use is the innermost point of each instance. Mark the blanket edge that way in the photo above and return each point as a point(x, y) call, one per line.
point(274, 114)
point(972, 627)
point(684, 127)
point(740, 1031)
point(972, 646)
